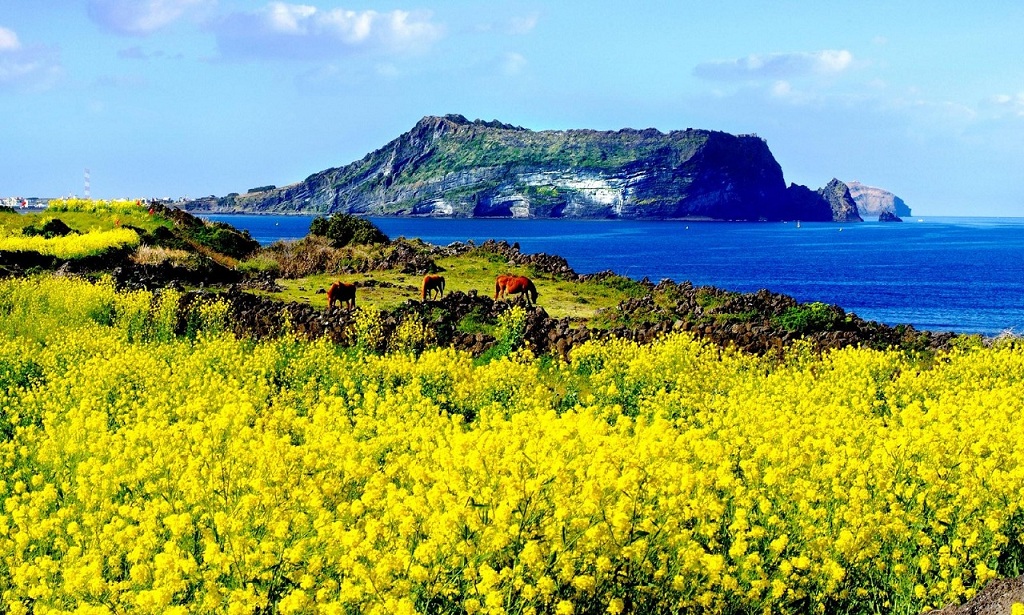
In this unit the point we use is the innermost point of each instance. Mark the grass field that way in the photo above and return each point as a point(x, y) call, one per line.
point(475, 271)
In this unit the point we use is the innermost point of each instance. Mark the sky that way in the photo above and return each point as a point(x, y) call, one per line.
point(188, 98)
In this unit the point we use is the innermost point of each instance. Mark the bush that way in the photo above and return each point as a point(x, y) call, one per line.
point(815, 316)
point(224, 238)
point(346, 229)
point(54, 227)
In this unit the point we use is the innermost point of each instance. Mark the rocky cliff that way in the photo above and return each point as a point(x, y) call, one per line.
point(450, 166)
point(837, 195)
point(874, 202)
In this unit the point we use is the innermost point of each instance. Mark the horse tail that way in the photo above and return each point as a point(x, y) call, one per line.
point(497, 287)
point(423, 288)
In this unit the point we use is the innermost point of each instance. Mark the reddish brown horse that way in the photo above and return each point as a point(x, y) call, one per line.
point(506, 285)
point(432, 284)
point(499, 285)
point(343, 292)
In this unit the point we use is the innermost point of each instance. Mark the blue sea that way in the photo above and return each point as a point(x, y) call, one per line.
point(940, 274)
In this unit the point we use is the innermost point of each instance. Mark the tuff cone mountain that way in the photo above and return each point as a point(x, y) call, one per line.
point(453, 167)
point(876, 202)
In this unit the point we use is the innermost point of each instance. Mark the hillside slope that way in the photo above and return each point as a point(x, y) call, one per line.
point(450, 166)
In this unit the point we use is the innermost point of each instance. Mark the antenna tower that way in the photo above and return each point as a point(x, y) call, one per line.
point(87, 194)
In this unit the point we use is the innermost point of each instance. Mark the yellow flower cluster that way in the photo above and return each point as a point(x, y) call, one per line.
point(96, 206)
point(210, 474)
point(72, 246)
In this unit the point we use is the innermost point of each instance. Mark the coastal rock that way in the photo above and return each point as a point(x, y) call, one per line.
point(451, 166)
point(844, 208)
point(888, 216)
point(807, 204)
point(832, 203)
point(873, 201)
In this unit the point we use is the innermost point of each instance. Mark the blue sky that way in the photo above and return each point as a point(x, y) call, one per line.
point(197, 97)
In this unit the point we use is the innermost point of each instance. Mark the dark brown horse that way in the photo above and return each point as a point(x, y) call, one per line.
point(432, 284)
point(506, 285)
point(343, 292)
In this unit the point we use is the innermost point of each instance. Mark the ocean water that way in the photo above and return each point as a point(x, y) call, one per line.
point(940, 274)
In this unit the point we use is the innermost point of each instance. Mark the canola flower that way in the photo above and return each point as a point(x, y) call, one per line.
point(72, 246)
point(96, 205)
point(148, 472)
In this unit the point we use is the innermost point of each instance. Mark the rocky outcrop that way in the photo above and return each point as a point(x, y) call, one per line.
point(888, 216)
point(450, 166)
point(837, 195)
point(832, 203)
point(808, 205)
point(874, 202)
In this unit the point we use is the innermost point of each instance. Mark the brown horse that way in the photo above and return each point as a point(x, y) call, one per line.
point(499, 284)
point(344, 293)
point(432, 284)
point(514, 285)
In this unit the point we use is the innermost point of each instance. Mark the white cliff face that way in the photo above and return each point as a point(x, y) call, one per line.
point(872, 202)
point(442, 207)
point(584, 191)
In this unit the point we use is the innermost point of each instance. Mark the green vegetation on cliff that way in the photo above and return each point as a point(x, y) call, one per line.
point(450, 166)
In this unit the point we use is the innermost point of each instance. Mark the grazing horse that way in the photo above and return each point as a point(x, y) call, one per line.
point(506, 285)
point(499, 284)
point(432, 284)
point(344, 293)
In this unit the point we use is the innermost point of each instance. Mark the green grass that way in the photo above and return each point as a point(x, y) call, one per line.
point(474, 271)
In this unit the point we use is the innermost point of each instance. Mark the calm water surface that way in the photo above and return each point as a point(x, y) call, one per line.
point(960, 274)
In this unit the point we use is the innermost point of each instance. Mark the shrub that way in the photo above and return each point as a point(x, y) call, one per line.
point(815, 316)
point(224, 238)
point(346, 229)
point(54, 227)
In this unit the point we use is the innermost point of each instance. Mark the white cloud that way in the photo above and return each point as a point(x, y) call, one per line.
point(513, 63)
point(141, 17)
point(523, 25)
point(297, 31)
point(1012, 104)
point(775, 66)
point(782, 89)
point(26, 66)
point(8, 40)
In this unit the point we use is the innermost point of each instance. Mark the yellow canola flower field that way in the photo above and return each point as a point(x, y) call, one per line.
point(144, 472)
point(72, 246)
point(96, 205)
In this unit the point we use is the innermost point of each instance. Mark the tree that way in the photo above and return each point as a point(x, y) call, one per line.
point(346, 229)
